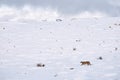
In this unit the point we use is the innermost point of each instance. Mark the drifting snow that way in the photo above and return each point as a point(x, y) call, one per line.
point(60, 46)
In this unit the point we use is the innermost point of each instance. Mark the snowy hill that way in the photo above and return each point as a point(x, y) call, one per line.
point(60, 46)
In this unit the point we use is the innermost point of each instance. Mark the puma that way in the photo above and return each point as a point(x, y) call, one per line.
point(85, 63)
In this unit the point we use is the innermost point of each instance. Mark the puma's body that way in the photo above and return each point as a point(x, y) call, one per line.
point(85, 63)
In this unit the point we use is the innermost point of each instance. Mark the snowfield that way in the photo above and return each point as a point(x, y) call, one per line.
point(60, 46)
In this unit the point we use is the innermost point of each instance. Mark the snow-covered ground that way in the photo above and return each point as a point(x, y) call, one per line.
point(61, 46)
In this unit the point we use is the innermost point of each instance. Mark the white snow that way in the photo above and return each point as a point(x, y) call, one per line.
point(24, 45)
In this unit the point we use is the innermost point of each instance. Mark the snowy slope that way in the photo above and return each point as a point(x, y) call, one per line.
point(24, 45)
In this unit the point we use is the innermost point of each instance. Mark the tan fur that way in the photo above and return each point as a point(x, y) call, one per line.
point(85, 63)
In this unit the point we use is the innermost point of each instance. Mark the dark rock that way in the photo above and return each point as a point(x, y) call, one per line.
point(71, 68)
point(74, 49)
point(4, 28)
point(55, 75)
point(116, 49)
point(100, 58)
point(40, 65)
point(58, 20)
point(110, 27)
